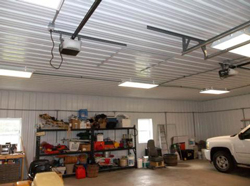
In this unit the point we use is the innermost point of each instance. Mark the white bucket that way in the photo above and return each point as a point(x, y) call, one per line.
point(203, 154)
point(139, 163)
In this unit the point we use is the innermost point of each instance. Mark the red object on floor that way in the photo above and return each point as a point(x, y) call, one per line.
point(80, 172)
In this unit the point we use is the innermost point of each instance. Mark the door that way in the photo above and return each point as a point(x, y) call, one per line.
point(242, 147)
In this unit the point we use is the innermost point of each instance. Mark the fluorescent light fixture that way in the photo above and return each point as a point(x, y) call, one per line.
point(137, 85)
point(232, 40)
point(16, 72)
point(244, 50)
point(53, 4)
point(213, 91)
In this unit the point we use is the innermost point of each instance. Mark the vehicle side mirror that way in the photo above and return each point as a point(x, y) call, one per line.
point(241, 136)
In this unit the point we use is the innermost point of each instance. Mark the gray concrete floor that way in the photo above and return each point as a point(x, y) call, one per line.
point(188, 173)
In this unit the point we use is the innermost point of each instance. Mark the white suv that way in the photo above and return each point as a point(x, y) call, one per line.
point(226, 152)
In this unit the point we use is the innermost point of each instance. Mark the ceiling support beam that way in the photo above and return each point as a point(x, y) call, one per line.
point(215, 38)
point(91, 38)
point(86, 18)
point(202, 44)
point(185, 39)
point(244, 68)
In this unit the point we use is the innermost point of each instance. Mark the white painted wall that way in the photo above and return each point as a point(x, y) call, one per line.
point(51, 101)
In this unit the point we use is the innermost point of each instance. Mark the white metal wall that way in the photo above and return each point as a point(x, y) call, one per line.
point(235, 102)
point(218, 123)
point(50, 101)
point(223, 116)
point(212, 122)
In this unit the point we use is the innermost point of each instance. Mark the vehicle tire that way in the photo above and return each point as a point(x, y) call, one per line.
point(223, 161)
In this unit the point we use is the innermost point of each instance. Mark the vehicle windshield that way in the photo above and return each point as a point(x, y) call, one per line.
point(240, 132)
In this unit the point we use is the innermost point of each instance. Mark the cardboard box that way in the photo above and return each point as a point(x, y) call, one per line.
point(126, 123)
point(103, 125)
point(75, 123)
point(85, 147)
point(99, 137)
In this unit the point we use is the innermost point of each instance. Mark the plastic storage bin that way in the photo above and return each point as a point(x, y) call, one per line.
point(83, 114)
point(74, 145)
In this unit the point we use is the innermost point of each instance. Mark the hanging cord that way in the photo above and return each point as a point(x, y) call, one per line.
point(52, 54)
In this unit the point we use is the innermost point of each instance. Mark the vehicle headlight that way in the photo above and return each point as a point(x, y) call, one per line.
point(207, 145)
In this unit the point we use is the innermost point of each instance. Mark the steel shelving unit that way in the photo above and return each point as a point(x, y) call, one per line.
point(92, 151)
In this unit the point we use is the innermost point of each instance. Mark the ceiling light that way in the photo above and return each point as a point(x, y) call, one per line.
point(213, 91)
point(244, 50)
point(137, 85)
point(16, 72)
point(54, 4)
point(232, 40)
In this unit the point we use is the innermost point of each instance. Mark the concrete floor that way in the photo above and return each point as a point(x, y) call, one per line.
point(188, 173)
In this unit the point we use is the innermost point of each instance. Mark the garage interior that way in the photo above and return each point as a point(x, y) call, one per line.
point(108, 92)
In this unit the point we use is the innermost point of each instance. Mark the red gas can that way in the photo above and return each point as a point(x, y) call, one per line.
point(80, 172)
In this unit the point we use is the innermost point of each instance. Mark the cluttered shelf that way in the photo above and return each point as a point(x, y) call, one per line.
point(115, 149)
point(120, 128)
point(91, 147)
point(65, 153)
point(61, 130)
point(85, 152)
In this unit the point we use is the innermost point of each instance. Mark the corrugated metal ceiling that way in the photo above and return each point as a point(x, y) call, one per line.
point(25, 41)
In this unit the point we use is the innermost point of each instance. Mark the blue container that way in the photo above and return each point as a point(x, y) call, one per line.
point(111, 123)
point(112, 120)
point(83, 114)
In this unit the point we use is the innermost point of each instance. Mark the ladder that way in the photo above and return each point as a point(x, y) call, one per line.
point(163, 138)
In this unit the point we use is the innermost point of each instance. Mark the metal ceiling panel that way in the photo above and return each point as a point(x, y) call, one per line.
point(149, 56)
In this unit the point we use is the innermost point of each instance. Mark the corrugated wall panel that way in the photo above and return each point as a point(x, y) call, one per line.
point(236, 102)
point(223, 117)
point(180, 125)
point(219, 124)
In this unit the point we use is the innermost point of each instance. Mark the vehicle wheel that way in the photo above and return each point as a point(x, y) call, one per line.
point(223, 161)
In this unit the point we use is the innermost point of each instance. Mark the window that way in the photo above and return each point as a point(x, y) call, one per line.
point(145, 130)
point(10, 131)
point(246, 134)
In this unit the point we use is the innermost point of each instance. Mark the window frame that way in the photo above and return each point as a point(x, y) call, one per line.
point(151, 130)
